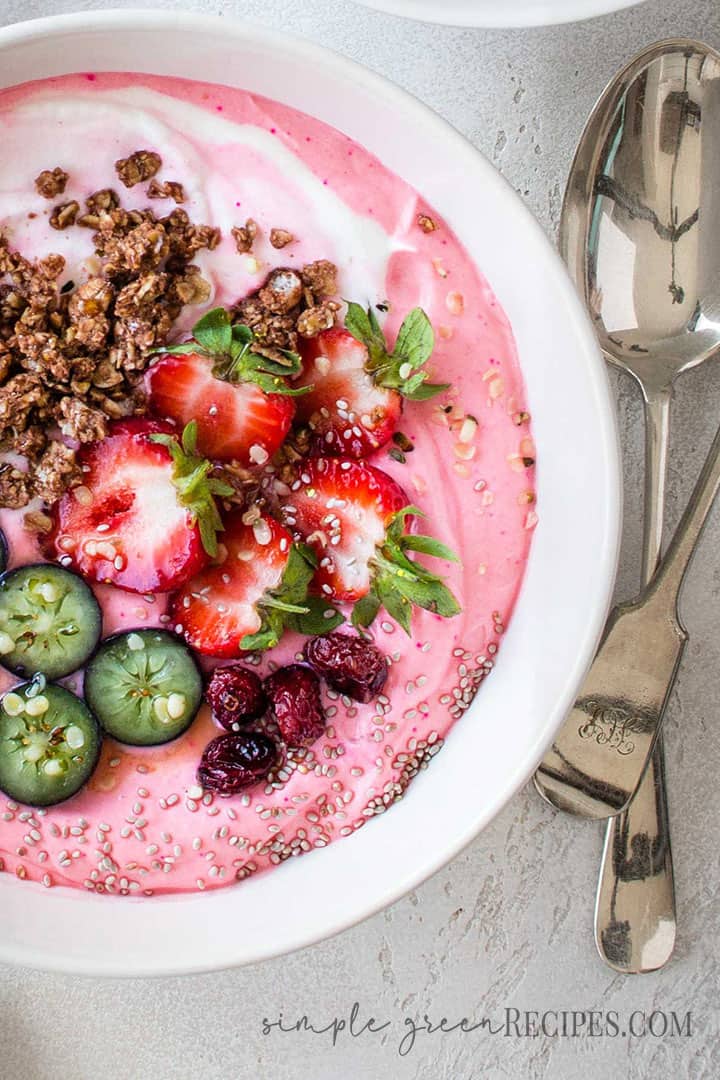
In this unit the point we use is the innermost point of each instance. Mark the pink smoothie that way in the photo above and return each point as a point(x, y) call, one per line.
point(142, 826)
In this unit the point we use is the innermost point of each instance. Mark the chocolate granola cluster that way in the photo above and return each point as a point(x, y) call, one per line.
point(291, 304)
point(72, 356)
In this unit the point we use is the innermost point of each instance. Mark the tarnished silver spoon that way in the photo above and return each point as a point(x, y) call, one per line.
point(639, 233)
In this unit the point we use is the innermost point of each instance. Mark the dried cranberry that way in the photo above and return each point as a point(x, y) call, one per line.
point(351, 665)
point(294, 694)
point(232, 762)
point(236, 696)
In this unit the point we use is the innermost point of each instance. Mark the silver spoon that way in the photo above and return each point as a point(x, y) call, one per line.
point(639, 233)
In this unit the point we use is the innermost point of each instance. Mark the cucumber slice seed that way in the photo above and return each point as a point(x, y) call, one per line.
point(144, 686)
point(50, 621)
point(49, 743)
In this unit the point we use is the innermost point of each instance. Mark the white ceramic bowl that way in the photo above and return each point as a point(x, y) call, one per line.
point(493, 750)
point(510, 13)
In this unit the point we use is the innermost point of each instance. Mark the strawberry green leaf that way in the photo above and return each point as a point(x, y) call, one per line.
point(273, 384)
point(196, 489)
point(401, 368)
point(213, 332)
point(364, 327)
point(187, 348)
point(241, 336)
point(415, 340)
point(366, 609)
point(242, 365)
point(319, 618)
point(283, 606)
point(395, 528)
point(398, 606)
point(428, 545)
point(289, 606)
point(266, 638)
point(431, 595)
point(189, 438)
point(423, 391)
point(399, 582)
point(231, 350)
point(290, 366)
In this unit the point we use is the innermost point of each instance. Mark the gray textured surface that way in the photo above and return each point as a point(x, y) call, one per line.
point(509, 922)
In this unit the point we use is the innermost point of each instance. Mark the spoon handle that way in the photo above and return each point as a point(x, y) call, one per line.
point(657, 439)
point(635, 923)
point(635, 902)
point(682, 546)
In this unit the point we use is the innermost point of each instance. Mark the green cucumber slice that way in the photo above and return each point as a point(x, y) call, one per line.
point(144, 686)
point(49, 743)
point(50, 621)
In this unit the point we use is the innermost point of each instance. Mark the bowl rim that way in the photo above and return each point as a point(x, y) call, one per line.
point(65, 959)
point(489, 15)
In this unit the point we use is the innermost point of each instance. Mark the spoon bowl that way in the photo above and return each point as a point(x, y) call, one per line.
point(642, 214)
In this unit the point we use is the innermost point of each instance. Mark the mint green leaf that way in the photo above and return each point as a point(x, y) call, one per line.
point(428, 545)
point(214, 332)
point(415, 340)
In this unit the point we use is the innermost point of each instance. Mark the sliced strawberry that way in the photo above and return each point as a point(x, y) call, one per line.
point(342, 509)
point(348, 413)
point(236, 421)
point(239, 397)
point(355, 517)
point(246, 601)
point(127, 525)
